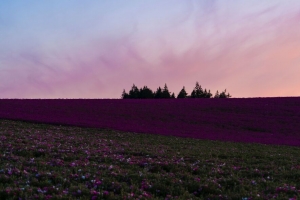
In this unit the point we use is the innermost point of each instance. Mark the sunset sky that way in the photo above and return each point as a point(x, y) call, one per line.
point(95, 49)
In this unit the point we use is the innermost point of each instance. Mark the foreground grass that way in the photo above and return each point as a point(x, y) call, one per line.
point(39, 161)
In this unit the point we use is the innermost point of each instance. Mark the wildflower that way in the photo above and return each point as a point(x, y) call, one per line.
point(93, 192)
point(292, 187)
point(253, 182)
point(146, 194)
point(98, 182)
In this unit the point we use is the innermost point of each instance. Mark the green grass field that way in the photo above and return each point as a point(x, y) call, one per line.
point(40, 161)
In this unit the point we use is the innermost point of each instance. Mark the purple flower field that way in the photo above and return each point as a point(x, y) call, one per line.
point(251, 120)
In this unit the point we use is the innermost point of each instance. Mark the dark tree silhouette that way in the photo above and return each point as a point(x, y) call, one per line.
point(197, 92)
point(207, 94)
point(173, 96)
point(165, 93)
point(224, 95)
point(158, 93)
point(217, 95)
point(146, 93)
point(134, 93)
point(182, 93)
point(124, 95)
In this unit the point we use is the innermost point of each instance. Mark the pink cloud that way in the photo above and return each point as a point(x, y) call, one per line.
point(250, 55)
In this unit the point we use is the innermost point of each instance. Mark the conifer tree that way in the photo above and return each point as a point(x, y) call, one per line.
point(146, 93)
point(217, 95)
point(207, 94)
point(182, 93)
point(197, 92)
point(158, 93)
point(165, 93)
point(224, 95)
point(134, 93)
point(173, 96)
point(124, 95)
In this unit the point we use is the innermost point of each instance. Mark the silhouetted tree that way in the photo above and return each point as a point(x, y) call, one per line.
point(217, 95)
point(158, 93)
point(165, 93)
point(146, 93)
point(125, 95)
point(207, 94)
point(182, 93)
point(134, 93)
point(224, 95)
point(197, 92)
point(173, 96)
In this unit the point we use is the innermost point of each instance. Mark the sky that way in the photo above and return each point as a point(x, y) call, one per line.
point(95, 49)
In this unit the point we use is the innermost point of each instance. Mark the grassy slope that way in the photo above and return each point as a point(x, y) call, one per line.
point(90, 163)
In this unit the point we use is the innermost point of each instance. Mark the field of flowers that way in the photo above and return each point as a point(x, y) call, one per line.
point(254, 120)
point(42, 161)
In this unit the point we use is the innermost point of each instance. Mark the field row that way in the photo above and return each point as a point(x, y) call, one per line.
point(58, 162)
point(257, 120)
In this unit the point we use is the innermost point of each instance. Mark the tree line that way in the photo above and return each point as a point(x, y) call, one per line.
point(164, 93)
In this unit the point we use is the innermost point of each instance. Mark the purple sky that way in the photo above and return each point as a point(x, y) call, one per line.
point(95, 49)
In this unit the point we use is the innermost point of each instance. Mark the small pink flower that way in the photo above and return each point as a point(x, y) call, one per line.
point(98, 182)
